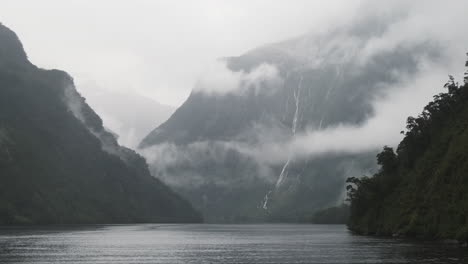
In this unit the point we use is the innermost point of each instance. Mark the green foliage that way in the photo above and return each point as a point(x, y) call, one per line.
point(422, 189)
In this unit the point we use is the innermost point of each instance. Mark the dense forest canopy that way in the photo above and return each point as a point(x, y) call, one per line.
point(421, 188)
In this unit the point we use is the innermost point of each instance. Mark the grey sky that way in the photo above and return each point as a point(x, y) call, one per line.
point(157, 48)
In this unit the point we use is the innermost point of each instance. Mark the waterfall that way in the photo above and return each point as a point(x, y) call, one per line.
point(284, 171)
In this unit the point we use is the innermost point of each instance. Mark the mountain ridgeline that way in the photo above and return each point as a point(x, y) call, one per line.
point(58, 165)
point(422, 187)
point(325, 80)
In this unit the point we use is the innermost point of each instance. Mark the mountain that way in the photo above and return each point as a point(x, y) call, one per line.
point(130, 116)
point(270, 94)
point(58, 165)
point(421, 189)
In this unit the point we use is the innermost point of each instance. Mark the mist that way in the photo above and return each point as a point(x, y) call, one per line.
point(382, 129)
point(156, 49)
point(234, 131)
point(408, 25)
point(163, 50)
point(218, 79)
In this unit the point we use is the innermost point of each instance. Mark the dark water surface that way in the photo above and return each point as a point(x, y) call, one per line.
point(156, 243)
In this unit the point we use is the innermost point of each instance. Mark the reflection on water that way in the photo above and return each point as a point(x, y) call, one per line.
point(155, 243)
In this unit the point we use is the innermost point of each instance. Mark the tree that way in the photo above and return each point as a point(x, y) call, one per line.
point(387, 159)
point(451, 85)
point(465, 79)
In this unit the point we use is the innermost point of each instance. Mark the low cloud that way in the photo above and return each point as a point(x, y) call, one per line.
point(390, 113)
point(406, 27)
point(82, 112)
point(218, 79)
point(164, 158)
point(274, 149)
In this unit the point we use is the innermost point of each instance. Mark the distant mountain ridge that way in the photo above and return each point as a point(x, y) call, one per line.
point(58, 165)
point(130, 116)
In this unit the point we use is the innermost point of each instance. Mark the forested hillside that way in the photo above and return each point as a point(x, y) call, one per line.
point(422, 188)
point(57, 162)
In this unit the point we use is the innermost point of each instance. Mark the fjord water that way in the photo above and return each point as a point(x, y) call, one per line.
point(203, 243)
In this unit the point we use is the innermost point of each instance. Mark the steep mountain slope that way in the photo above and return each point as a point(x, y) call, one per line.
point(58, 164)
point(130, 116)
point(309, 83)
point(421, 190)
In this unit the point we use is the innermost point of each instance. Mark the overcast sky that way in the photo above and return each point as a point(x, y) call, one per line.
point(156, 48)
